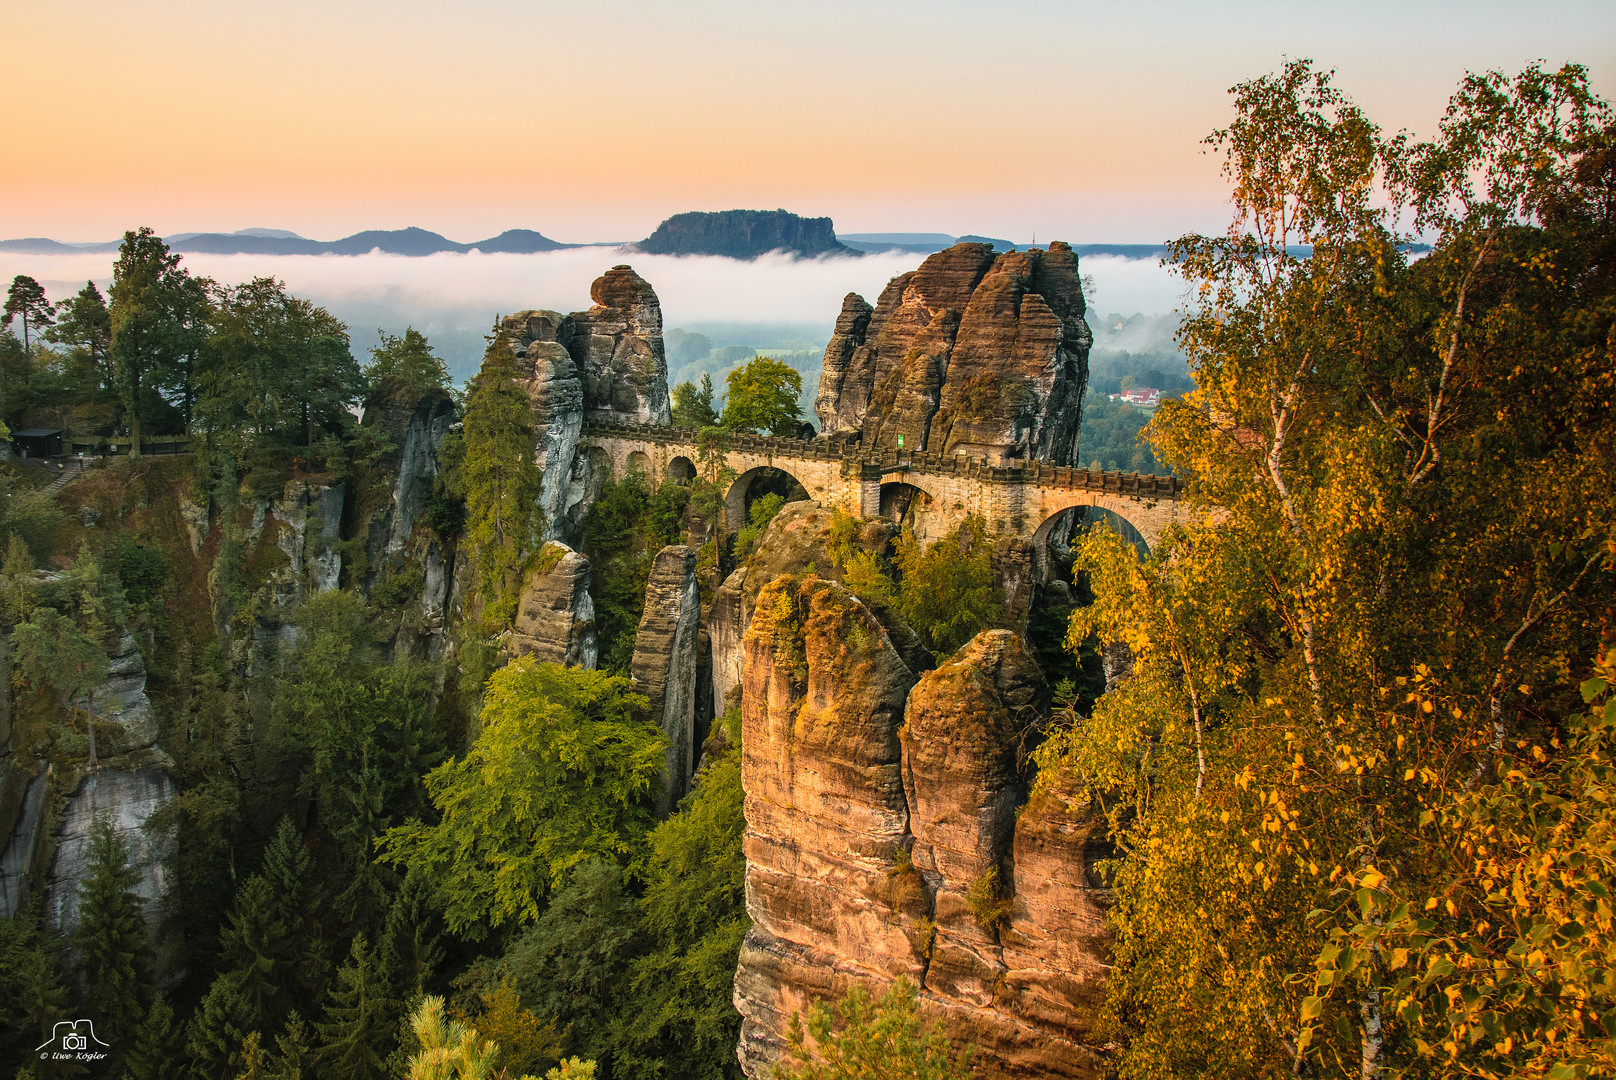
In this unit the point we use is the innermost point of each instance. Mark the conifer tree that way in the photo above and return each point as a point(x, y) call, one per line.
point(26, 300)
point(156, 1045)
point(143, 341)
point(501, 480)
point(86, 323)
point(353, 1042)
point(412, 946)
point(214, 1036)
point(111, 937)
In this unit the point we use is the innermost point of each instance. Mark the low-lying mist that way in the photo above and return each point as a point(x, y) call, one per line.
point(775, 302)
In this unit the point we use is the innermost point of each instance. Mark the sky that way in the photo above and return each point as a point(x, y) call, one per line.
point(1071, 120)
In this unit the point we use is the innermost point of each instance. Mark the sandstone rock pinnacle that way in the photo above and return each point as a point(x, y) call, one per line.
point(973, 353)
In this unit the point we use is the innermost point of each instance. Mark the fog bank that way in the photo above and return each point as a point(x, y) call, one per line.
point(454, 298)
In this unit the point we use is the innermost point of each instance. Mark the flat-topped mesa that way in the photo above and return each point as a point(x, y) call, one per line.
point(973, 353)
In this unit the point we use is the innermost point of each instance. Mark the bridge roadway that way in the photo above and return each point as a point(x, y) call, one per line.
point(1019, 501)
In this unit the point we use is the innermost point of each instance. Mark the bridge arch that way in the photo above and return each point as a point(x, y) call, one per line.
point(905, 501)
point(1063, 527)
point(638, 461)
point(753, 484)
point(681, 470)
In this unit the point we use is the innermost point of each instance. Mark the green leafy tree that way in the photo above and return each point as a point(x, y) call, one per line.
point(678, 1015)
point(111, 936)
point(406, 361)
point(26, 300)
point(693, 405)
point(1340, 774)
point(947, 592)
point(501, 480)
point(714, 477)
point(276, 373)
point(562, 772)
point(354, 1040)
point(858, 1039)
point(762, 397)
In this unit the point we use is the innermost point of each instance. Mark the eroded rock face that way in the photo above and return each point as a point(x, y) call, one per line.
point(415, 423)
point(850, 881)
point(971, 354)
point(550, 377)
point(555, 617)
point(617, 345)
point(665, 662)
point(798, 537)
point(607, 363)
point(825, 811)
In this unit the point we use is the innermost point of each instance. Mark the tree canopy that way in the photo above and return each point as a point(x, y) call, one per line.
point(761, 396)
point(693, 405)
point(562, 772)
point(26, 302)
point(406, 360)
point(1337, 773)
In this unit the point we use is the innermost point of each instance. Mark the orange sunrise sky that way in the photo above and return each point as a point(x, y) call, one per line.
point(587, 122)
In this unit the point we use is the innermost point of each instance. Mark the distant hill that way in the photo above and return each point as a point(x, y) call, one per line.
point(411, 241)
point(744, 234)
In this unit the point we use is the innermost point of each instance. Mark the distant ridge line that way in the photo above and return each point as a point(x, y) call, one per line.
point(410, 241)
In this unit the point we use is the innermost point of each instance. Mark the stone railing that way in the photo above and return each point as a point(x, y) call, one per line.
point(850, 450)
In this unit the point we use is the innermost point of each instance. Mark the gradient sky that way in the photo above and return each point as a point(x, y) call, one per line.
point(593, 122)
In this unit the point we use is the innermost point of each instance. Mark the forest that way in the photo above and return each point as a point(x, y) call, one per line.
point(1356, 779)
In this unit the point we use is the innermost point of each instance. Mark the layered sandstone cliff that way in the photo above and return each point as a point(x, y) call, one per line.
point(973, 353)
point(664, 665)
point(884, 839)
point(555, 616)
point(607, 363)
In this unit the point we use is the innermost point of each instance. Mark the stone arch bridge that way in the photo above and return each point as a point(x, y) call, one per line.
point(1018, 501)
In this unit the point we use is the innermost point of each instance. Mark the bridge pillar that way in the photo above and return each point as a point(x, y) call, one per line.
point(869, 491)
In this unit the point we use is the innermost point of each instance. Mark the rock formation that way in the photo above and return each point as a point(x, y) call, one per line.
point(617, 345)
point(826, 819)
point(605, 363)
point(883, 839)
point(798, 537)
point(970, 354)
point(47, 846)
point(415, 423)
point(550, 377)
point(555, 617)
point(664, 665)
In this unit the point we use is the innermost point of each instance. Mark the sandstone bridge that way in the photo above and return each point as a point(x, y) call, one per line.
point(1017, 501)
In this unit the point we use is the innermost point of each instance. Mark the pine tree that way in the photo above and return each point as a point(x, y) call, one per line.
point(152, 1057)
point(502, 481)
point(353, 1042)
point(142, 344)
point(86, 323)
point(26, 300)
point(225, 1017)
point(111, 937)
point(412, 947)
point(292, 1055)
